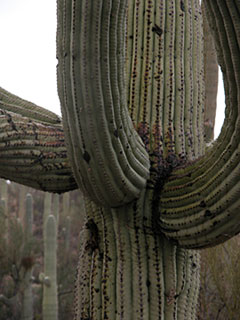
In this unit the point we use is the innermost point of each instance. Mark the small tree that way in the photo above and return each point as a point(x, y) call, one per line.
point(131, 85)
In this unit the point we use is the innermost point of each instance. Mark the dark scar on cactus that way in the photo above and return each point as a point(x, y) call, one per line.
point(202, 204)
point(115, 133)
point(157, 29)
point(92, 227)
point(182, 6)
point(10, 121)
point(160, 171)
point(86, 156)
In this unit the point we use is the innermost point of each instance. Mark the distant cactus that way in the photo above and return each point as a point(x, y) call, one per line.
point(66, 203)
point(50, 302)
point(47, 210)
point(55, 208)
point(27, 262)
point(66, 208)
point(3, 189)
point(20, 232)
point(4, 204)
point(67, 234)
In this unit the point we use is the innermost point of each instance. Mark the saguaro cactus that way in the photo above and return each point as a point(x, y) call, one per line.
point(27, 313)
point(131, 85)
point(50, 303)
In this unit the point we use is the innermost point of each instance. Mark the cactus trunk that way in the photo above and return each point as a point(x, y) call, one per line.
point(50, 303)
point(127, 270)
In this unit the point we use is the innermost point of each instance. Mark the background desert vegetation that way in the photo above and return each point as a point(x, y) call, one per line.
point(220, 267)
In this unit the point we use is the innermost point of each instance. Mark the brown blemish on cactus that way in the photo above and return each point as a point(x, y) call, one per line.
point(202, 204)
point(157, 30)
point(94, 238)
point(116, 133)
point(208, 213)
point(143, 131)
point(86, 156)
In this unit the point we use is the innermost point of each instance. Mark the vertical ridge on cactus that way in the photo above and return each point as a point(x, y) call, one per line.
point(166, 91)
point(50, 304)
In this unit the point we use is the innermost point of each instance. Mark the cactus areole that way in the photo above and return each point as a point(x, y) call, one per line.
point(131, 85)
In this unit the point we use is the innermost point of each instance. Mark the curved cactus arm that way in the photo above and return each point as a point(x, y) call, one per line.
point(12, 103)
point(200, 203)
point(211, 80)
point(101, 140)
point(34, 153)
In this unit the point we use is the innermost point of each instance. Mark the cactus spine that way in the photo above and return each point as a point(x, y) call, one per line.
point(50, 303)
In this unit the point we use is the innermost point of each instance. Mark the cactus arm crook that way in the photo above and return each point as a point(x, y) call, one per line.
point(200, 203)
point(32, 150)
point(101, 140)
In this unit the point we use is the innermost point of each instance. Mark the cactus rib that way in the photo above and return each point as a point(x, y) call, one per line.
point(34, 153)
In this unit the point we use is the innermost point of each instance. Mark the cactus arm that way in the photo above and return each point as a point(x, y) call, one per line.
point(211, 80)
point(101, 140)
point(50, 303)
point(12, 103)
point(34, 153)
point(200, 203)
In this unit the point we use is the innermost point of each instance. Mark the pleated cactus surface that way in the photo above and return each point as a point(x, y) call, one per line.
point(132, 91)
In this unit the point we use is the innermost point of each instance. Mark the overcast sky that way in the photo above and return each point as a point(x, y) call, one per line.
point(28, 53)
point(28, 50)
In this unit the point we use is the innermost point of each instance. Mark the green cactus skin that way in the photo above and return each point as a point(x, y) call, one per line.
point(27, 309)
point(12, 103)
point(156, 191)
point(50, 302)
point(211, 80)
point(126, 271)
point(33, 153)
